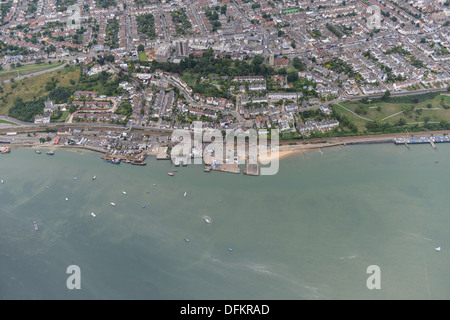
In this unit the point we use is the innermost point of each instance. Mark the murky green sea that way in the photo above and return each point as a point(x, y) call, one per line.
point(308, 232)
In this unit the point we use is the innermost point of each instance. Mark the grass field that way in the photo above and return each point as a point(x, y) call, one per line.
point(8, 122)
point(22, 71)
point(429, 109)
point(142, 56)
point(33, 88)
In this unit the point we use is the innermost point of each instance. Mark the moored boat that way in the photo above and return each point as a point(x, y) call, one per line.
point(170, 174)
point(36, 227)
point(5, 150)
point(38, 151)
point(50, 153)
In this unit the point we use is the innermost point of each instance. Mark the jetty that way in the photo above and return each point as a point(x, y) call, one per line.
point(162, 154)
point(252, 169)
point(421, 140)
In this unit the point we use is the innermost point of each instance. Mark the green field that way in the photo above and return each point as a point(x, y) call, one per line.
point(33, 88)
point(142, 56)
point(22, 71)
point(423, 109)
point(7, 122)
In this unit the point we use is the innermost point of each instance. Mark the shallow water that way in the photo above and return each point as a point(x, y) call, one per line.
point(308, 232)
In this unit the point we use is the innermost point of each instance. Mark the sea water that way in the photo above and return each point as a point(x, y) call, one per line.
point(309, 232)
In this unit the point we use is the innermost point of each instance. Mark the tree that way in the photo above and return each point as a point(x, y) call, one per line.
point(386, 96)
point(292, 76)
point(141, 48)
point(298, 64)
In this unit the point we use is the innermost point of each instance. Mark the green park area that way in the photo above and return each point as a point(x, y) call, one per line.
point(393, 114)
point(32, 88)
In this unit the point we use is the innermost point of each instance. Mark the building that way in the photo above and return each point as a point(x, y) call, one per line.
point(163, 52)
point(182, 48)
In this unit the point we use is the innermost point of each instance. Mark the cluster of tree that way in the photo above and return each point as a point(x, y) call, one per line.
point(105, 3)
point(61, 95)
point(26, 111)
point(334, 30)
point(112, 32)
point(62, 5)
point(213, 17)
point(339, 66)
point(146, 25)
point(181, 21)
point(12, 50)
point(103, 83)
point(220, 66)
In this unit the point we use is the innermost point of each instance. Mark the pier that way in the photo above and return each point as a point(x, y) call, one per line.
point(226, 167)
point(420, 140)
point(162, 154)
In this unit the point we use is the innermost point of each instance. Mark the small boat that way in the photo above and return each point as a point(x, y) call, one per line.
point(170, 174)
point(67, 199)
point(113, 204)
point(5, 150)
point(116, 161)
point(154, 184)
point(186, 239)
point(93, 214)
point(47, 187)
point(2, 181)
point(175, 170)
point(230, 249)
point(144, 206)
point(50, 153)
point(38, 151)
point(437, 249)
point(436, 162)
point(185, 194)
point(124, 192)
point(75, 178)
point(94, 177)
point(36, 227)
point(208, 220)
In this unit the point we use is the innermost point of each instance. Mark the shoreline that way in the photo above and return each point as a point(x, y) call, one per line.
point(284, 150)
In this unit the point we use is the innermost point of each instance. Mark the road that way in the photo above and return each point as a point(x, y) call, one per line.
point(37, 73)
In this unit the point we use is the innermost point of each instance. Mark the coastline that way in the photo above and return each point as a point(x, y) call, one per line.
point(289, 148)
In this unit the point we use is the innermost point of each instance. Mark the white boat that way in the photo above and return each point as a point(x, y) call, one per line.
point(437, 249)
point(113, 204)
point(67, 199)
point(185, 194)
point(2, 181)
point(124, 192)
point(75, 178)
point(93, 214)
point(207, 220)
point(94, 177)
point(38, 151)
